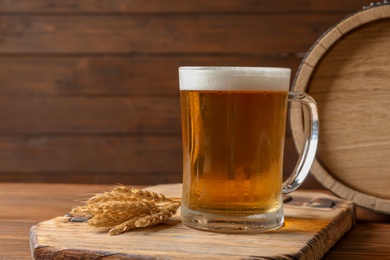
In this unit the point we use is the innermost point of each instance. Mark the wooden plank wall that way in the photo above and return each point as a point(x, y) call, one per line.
point(89, 89)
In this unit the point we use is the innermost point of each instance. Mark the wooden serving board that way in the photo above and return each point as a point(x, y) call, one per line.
point(314, 222)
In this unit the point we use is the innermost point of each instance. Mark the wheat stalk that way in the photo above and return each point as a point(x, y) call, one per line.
point(161, 216)
point(139, 194)
point(123, 209)
point(114, 213)
point(123, 227)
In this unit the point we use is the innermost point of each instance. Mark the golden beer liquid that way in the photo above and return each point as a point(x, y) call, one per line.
point(233, 150)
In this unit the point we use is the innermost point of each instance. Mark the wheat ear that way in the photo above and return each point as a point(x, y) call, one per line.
point(123, 209)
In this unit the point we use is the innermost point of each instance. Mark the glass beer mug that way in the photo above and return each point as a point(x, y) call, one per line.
point(233, 130)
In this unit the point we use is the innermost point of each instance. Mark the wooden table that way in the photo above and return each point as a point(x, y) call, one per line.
point(22, 205)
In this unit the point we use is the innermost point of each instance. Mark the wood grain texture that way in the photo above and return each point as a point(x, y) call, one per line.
point(349, 249)
point(74, 74)
point(121, 153)
point(308, 233)
point(135, 177)
point(23, 205)
point(350, 84)
point(93, 115)
point(189, 33)
point(114, 75)
point(169, 6)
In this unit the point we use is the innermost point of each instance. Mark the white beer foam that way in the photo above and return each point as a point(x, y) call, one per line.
point(234, 78)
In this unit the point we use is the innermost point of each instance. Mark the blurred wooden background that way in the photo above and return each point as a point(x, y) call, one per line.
point(89, 88)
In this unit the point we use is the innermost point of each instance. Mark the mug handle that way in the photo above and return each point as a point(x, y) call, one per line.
point(311, 128)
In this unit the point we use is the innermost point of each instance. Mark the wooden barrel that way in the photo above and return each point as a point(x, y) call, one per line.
point(347, 71)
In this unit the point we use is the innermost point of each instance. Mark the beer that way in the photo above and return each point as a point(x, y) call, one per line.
point(233, 148)
point(233, 128)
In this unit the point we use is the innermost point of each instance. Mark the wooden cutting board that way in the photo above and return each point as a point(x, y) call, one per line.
point(314, 222)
